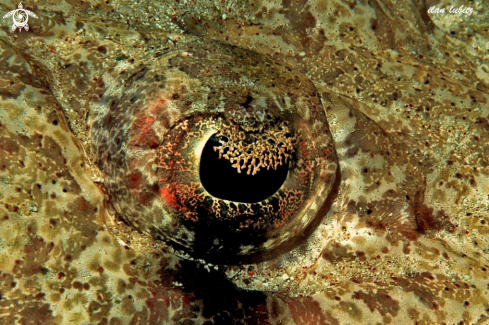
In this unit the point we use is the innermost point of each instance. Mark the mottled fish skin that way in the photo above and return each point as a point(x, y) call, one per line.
point(404, 240)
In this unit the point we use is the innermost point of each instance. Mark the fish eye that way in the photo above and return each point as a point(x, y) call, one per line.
point(220, 152)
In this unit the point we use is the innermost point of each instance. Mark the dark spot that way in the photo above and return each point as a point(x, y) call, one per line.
point(380, 301)
point(426, 219)
point(223, 302)
point(102, 49)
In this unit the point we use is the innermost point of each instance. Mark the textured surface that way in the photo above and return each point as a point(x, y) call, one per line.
point(404, 240)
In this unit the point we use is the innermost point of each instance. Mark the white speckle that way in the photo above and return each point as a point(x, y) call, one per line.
point(302, 53)
point(97, 179)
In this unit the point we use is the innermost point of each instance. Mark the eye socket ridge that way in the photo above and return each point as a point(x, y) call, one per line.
point(166, 109)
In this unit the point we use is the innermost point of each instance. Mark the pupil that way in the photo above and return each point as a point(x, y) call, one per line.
point(223, 181)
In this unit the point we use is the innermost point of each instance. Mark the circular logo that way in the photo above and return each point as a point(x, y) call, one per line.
point(20, 18)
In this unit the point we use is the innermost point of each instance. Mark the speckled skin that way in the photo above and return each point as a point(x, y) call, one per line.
point(404, 239)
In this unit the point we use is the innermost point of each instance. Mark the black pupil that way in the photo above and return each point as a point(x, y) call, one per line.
point(223, 181)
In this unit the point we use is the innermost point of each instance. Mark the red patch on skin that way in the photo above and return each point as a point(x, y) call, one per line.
point(135, 181)
point(147, 122)
point(168, 197)
point(144, 134)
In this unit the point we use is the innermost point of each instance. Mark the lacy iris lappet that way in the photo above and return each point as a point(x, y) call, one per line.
point(452, 10)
